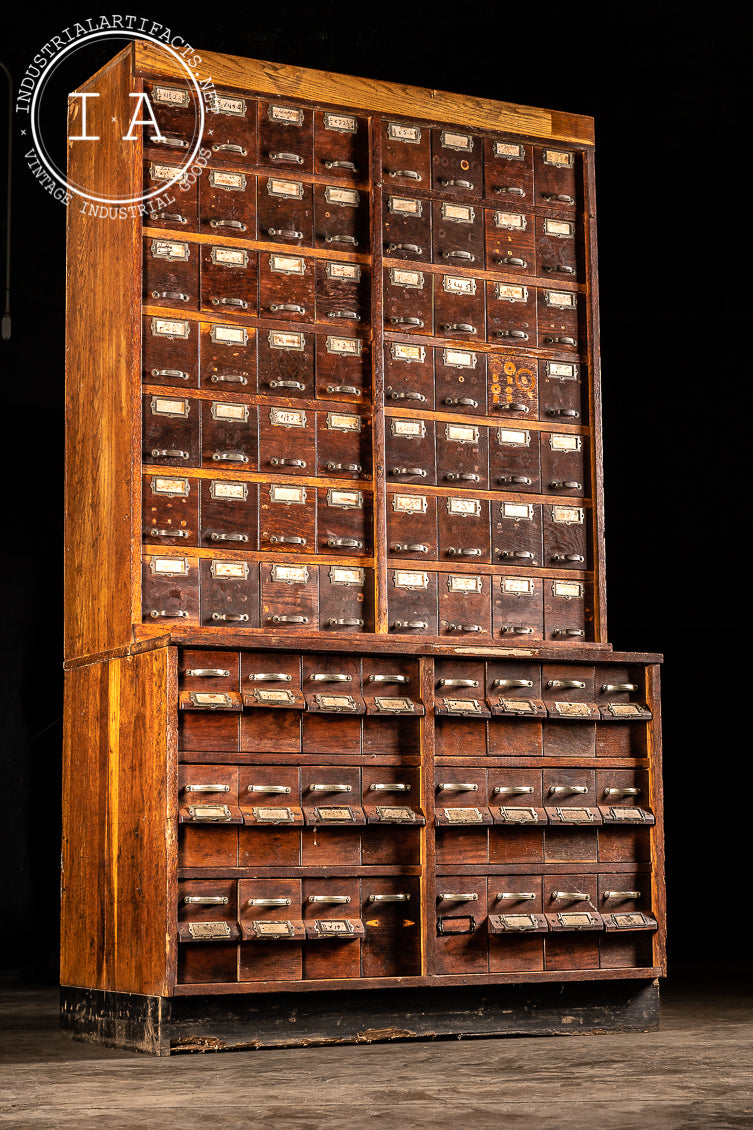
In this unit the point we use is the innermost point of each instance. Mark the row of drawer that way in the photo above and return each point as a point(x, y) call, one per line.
point(281, 135)
point(251, 594)
point(280, 286)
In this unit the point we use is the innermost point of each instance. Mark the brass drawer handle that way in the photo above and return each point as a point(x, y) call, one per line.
point(519, 335)
point(207, 673)
point(565, 685)
point(411, 248)
point(522, 480)
point(389, 898)
point(169, 452)
point(466, 255)
point(390, 787)
point(467, 401)
point(286, 539)
point(287, 384)
point(559, 341)
point(411, 624)
point(206, 788)
point(389, 678)
point(216, 536)
point(515, 630)
point(404, 395)
point(236, 225)
point(461, 551)
point(459, 896)
point(462, 477)
point(572, 896)
point(457, 787)
point(558, 198)
point(453, 627)
point(266, 677)
point(330, 677)
point(205, 900)
point(347, 543)
point(574, 557)
point(276, 789)
point(230, 147)
point(351, 315)
point(509, 190)
point(269, 902)
point(173, 295)
point(559, 270)
point(349, 390)
point(230, 378)
point(229, 457)
point(155, 533)
point(239, 302)
point(514, 406)
point(275, 462)
point(236, 618)
point(409, 547)
point(344, 623)
point(288, 307)
point(565, 484)
point(568, 632)
point(606, 688)
point(621, 895)
point(293, 157)
point(330, 788)
point(341, 165)
point(344, 467)
point(289, 619)
point(622, 792)
point(458, 682)
point(166, 139)
point(513, 683)
point(571, 412)
point(459, 327)
point(511, 261)
point(448, 182)
point(338, 899)
point(406, 322)
point(285, 233)
point(567, 790)
point(409, 471)
point(338, 237)
point(523, 554)
point(512, 790)
point(173, 217)
point(411, 174)
point(179, 615)
point(518, 895)
point(177, 374)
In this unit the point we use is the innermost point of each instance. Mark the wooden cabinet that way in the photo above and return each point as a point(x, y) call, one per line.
point(341, 710)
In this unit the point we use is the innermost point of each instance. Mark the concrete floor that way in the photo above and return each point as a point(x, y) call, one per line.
point(696, 1073)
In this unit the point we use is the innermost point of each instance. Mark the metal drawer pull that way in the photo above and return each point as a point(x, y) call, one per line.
point(459, 255)
point(558, 198)
point(239, 302)
point(206, 900)
point(407, 396)
point(515, 630)
point(511, 261)
point(411, 624)
point(513, 683)
point(338, 237)
point(206, 788)
point(568, 632)
point(565, 484)
point(560, 270)
point(460, 551)
point(390, 787)
point(460, 896)
point(389, 898)
point(519, 335)
point(457, 787)
point(236, 618)
point(514, 406)
point(410, 173)
point(179, 615)
point(344, 467)
point(286, 157)
point(173, 295)
point(341, 165)
point(289, 619)
point(287, 384)
point(468, 401)
point(330, 677)
point(572, 412)
point(275, 462)
point(560, 340)
point(214, 536)
point(268, 789)
point(236, 225)
point(460, 327)
point(330, 788)
point(607, 687)
point(622, 792)
point(206, 673)
point(351, 314)
point(565, 684)
point(453, 627)
point(573, 896)
point(621, 895)
point(458, 682)
point(333, 623)
point(576, 557)
point(523, 480)
point(523, 554)
point(462, 477)
point(285, 233)
point(229, 457)
point(450, 183)
point(178, 374)
point(389, 678)
point(409, 471)
point(413, 248)
point(509, 190)
point(406, 322)
point(175, 142)
point(567, 790)
point(512, 790)
point(154, 533)
point(515, 895)
point(329, 898)
point(230, 147)
point(231, 378)
point(289, 307)
point(286, 539)
point(350, 390)
point(269, 902)
point(265, 677)
point(345, 543)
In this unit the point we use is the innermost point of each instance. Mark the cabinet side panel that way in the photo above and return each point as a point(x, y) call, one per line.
point(118, 825)
point(101, 349)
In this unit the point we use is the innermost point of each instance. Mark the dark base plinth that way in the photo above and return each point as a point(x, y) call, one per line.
point(162, 1026)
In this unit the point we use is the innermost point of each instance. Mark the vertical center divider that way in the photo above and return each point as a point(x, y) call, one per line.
point(428, 869)
point(381, 625)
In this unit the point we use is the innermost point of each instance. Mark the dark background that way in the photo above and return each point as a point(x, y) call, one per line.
point(667, 100)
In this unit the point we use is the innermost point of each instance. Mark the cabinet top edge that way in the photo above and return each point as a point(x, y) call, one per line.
point(374, 95)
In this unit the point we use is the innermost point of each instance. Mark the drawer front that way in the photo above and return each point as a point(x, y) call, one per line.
point(341, 217)
point(566, 682)
point(568, 610)
point(170, 588)
point(287, 287)
point(519, 947)
point(228, 357)
point(343, 295)
point(412, 601)
point(457, 160)
point(227, 203)
point(170, 514)
point(286, 137)
point(560, 319)
point(412, 526)
point(229, 435)
point(462, 455)
point(558, 177)
point(517, 533)
point(171, 430)
point(229, 279)
point(563, 464)
point(170, 352)
point(269, 913)
point(566, 541)
point(511, 314)
point(286, 211)
point(514, 459)
point(464, 605)
point(508, 172)
point(408, 296)
point(232, 121)
point(459, 690)
point(391, 914)
point(270, 795)
point(331, 794)
point(171, 274)
point(341, 144)
point(408, 375)
point(461, 913)
point(179, 211)
point(559, 246)
point(332, 904)
point(289, 595)
point(344, 521)
point(287, 441)
point(459, 308)
point(205, 670)
point(229, 593)
point(406, 154)
point(518, 607)
point(343, 367)
point(407, 228)
point(563, 392)
point(510, 241)
point(569, 788)
point(174, 108)
point(515, 789)
point(343, 445)
point(286, 363)
point(287, 518)
point(513, 387)
point(458, 234)
point(409, 450)
point(207, 901)
point(463, 529)
point(346, 599)
point(460, 381)
point(229, 514)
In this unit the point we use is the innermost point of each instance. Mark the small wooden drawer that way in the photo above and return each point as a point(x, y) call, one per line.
point(286, 137)
point(341, 144)
point(171, 273)
point(170, 352)
point(227, 203)
point(457, 160)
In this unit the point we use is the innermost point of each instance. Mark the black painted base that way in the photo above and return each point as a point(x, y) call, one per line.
point(162, 1026)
